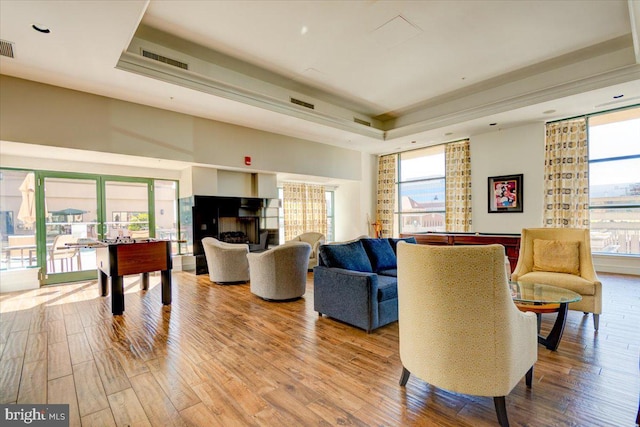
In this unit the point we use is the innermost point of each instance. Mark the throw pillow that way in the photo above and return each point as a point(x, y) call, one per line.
point(350, 256)
point(394, 242)
point(380, 254)
point(556, 256)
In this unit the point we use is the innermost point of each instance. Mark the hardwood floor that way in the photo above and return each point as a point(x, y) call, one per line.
point(219, 356)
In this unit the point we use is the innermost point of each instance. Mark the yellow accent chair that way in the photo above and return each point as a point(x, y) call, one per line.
point(459, 329)
point(561, 257)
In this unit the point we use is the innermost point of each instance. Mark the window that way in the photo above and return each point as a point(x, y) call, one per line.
point(329, 194)
point(330, 217)
point(614, 182)
point(421, 190)
point(17, 219)
point(166, 213)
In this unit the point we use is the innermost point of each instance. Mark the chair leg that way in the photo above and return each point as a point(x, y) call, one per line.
point(501, 410)
point(528, 377)
point(404, 377)
point(596, 321)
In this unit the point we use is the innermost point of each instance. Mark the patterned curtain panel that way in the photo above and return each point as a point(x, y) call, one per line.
point(566, 179)
point(386, 199)
point(458, 186)
point(305, 209)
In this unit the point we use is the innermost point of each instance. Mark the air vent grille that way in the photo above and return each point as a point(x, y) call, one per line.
point(302, 103)
point(6, 49)
point(362, 122)
point(165, 60)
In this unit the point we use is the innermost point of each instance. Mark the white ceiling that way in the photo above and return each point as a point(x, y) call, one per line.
point(423, 71)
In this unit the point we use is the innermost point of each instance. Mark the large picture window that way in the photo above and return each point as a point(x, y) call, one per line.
point(421, 190)
point(614, 182)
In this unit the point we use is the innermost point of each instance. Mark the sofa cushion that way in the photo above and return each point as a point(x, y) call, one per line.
point(350, 256)
point(556, 256)
point(380, 254)
point(567, 281)
point(392, 272)
point(387, 288)
point(394, 242)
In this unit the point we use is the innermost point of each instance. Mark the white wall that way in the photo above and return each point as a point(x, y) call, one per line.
point(235, 184)
point(94, 167)
point(508, 152)
point(36, 113)
point(354, 200)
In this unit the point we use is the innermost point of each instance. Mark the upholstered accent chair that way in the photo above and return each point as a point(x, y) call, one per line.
point(280, 273)
point(315, 240)
point(459, 329)
point(561, 257)
point(227, 262)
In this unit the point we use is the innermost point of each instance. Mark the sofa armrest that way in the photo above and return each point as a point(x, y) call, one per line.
point(346, 295)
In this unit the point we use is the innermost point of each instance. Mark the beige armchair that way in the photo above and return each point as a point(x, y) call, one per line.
point(280, 273)
point(227, 262)
point(315, 240)
point(459, 329)
point(561, 257)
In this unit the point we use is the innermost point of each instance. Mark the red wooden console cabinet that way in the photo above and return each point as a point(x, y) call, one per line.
point(511, 242)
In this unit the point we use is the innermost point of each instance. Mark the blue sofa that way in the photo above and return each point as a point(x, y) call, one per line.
point(356, 282)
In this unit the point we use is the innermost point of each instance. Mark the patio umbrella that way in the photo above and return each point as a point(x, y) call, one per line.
point(27, 212)
point(69, 211)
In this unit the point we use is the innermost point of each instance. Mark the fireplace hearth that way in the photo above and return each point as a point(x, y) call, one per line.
point(234, 237)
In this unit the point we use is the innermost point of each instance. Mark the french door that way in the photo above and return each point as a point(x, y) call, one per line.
point(81, 208)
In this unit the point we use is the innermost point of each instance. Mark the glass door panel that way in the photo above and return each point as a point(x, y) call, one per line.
point(166, 213)
point(71, 217)
point(127, 209)
point(17, 219)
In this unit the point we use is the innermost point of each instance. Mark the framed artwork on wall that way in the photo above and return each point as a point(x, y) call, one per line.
point(505, 193)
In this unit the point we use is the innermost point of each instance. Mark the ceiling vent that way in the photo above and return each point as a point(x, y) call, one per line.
point(165, 60)
point(362, 122)
point(6, 48)
point(302, 103)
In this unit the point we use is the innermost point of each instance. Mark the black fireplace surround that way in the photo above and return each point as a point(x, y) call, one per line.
point(229, 219)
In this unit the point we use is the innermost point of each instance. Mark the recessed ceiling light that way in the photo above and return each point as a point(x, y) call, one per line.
point(413, 142)
point(41, 28)
point(549, 112)
point(618, 96)
point(304, 30)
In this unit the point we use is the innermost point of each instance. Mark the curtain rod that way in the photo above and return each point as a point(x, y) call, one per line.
point(428, 146)
point(594, 114)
